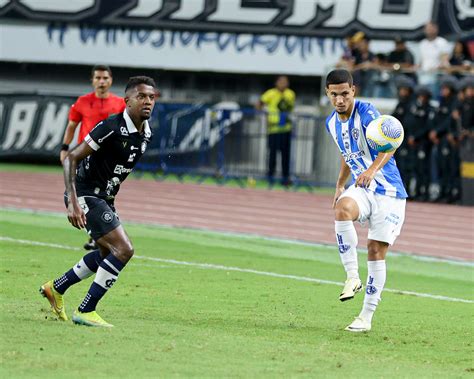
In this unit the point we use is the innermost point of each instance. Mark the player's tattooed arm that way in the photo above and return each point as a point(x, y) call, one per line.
point(75, 214)
point(344, 174)
point(364, 179)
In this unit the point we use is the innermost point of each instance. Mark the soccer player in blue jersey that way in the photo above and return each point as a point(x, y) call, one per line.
point(376, 195)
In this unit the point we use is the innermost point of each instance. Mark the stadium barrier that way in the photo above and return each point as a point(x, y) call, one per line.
point(224, 141)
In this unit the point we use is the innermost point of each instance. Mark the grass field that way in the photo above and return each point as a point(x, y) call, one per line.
point(202, 304)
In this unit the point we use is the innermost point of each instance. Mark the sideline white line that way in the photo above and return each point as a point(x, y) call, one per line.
point(424, 258)
point(246, 270)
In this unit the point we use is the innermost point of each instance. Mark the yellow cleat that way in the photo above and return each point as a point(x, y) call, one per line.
point(89, 319)
point(55, 299)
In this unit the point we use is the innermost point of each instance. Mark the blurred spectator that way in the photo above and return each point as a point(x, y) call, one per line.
point(364, 65)
point(279, 103)
point(348, 57)
point(401, 58)
point(434, 55)
point(381, 75)
point(464, 113)
point(444, 155)
point(460, 60)
point(417, 126)
point(405, 155)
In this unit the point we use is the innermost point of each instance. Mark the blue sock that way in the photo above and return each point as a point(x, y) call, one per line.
point(106, 276)
point(83, 269)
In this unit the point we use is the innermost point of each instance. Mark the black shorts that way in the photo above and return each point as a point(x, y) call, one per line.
point(101, 215)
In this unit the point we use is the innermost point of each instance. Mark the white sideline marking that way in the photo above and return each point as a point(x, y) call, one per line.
point(246, 270)
point(424, 258)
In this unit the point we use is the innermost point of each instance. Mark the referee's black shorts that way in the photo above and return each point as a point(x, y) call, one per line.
point(100, 215)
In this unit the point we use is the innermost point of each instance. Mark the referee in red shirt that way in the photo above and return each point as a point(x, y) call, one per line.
point(89, 110)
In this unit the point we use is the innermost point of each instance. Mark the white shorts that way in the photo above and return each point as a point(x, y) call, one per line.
point(385, 214)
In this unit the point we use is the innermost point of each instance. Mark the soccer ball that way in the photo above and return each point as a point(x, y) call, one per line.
point(384, 134)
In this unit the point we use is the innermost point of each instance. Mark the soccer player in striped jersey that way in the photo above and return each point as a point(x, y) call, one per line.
point(375, 195)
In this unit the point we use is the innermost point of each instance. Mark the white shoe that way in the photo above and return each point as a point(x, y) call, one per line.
point(351, 287)
point(359, 325)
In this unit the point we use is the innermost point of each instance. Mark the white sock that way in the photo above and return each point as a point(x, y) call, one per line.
point(81, 270)
point(376, 275)
point(346, 237)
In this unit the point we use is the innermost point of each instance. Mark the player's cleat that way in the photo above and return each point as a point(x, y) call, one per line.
point(90, 245)
point(351, 287)
point(89, 319)
point(359, 325)
point(55, 299)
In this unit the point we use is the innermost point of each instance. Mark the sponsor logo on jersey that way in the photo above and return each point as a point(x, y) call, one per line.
point(354, 155)
point(119, 169)
point(131, 157)
point(133, 148)
point(124, 131)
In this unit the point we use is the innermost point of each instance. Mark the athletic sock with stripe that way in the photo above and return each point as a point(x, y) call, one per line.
point(106, 276)
point(86, 267)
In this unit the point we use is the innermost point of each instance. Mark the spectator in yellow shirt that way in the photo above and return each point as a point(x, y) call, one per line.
point(278, 103)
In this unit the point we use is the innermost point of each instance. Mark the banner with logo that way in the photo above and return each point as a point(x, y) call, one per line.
point(380, 19)
point(33, 126)
point(299, 37)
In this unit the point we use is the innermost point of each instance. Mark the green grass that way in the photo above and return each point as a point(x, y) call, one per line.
point(174, 320)
point(249, 182)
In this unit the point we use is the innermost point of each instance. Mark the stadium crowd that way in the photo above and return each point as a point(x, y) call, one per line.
point(435, 105)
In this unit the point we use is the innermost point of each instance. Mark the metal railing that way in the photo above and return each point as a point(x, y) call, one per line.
point(230, 143)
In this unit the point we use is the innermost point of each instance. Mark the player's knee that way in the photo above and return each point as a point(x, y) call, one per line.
point(127, 251)
point(377, 250)
point(344, 210)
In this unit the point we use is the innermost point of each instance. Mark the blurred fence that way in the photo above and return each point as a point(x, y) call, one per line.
point(227, 142)
point(224, 141)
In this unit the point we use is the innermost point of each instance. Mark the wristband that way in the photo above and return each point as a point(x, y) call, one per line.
point(64, 147)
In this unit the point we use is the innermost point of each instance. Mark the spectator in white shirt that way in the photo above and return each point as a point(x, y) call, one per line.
point(434, 55)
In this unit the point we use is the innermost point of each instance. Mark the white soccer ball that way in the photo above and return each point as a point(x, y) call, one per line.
point(384, 134)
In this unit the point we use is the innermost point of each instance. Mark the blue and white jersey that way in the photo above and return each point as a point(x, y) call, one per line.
point(350, 139)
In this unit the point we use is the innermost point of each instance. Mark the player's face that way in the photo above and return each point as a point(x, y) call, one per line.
point(342, 97)
point(101, 81)
point(140, 101)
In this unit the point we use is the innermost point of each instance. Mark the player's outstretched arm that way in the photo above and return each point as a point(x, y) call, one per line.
point(75, 214)
point(67, 139)
point(364, 179)
point(344, 173)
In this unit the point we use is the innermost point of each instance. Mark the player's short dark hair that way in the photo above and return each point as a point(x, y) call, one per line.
point(100, 67)
point(137, 80)
point(339, 76)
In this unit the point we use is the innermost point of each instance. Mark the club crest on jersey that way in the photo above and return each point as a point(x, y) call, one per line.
point(107, 217)
point(355, 134)
point(143, 147)
point(123, 131)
